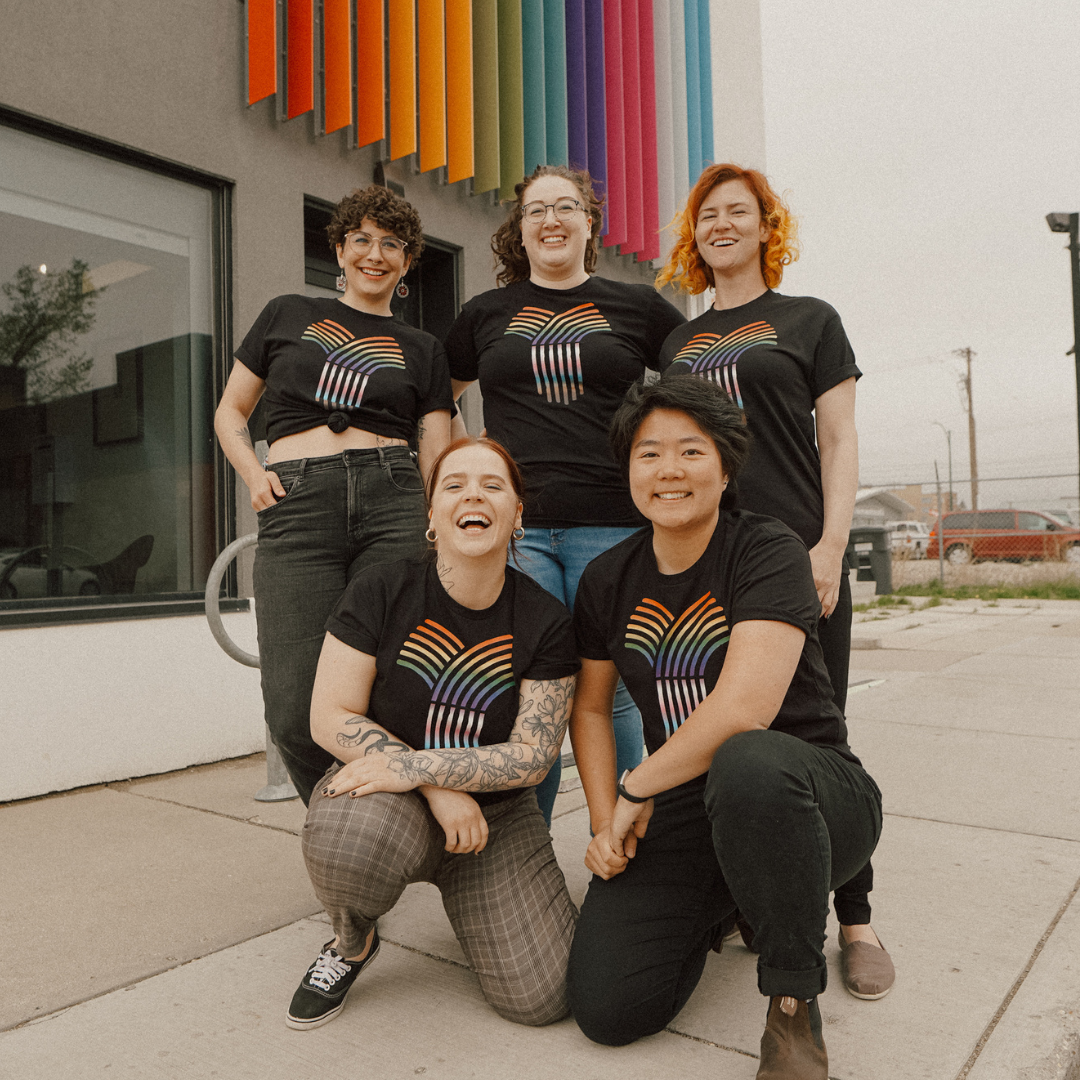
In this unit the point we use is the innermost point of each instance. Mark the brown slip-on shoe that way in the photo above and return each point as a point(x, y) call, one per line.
point(791, 1045)
point(867, 970)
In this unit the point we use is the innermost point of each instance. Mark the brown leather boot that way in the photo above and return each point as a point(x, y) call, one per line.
point(791, 1046)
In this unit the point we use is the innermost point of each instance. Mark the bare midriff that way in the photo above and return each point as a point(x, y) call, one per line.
point(322, 442)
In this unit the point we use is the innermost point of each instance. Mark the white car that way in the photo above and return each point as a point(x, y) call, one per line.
point(909, 538)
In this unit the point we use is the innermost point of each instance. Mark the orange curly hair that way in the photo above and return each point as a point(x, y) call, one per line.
point(688, 270)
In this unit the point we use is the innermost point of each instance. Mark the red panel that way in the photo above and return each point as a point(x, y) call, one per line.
point(616, 144)
point(301, 58)
point(635, 222)
point(650, 173)
point(370, 72)
point(337, 65)
point(262, 49)
point(432, 53)
point(402, 78)
point(459, 89)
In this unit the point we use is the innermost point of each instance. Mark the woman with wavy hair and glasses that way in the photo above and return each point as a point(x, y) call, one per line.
point(786, 361)
point(346, 388)
point(555, 349)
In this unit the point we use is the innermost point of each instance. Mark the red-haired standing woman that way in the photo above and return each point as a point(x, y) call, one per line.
point(787, 362)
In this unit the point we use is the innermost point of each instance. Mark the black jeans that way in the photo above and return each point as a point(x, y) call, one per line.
point(340, 515)
point(776, 825)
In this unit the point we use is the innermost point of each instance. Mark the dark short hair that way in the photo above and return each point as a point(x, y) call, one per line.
point(507, 244)
point(703, 402)
point(389, 211)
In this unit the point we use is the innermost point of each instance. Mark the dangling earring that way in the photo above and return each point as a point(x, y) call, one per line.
point(519, 533)
point(402, 289)
point(341, 280)
point(430, 536)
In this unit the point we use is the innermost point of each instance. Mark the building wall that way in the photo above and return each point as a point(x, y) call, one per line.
point(87, 703)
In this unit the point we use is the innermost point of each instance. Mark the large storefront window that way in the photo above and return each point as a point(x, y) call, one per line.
point(106, 379)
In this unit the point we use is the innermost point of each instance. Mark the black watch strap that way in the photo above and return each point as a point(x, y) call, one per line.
point(621, 791)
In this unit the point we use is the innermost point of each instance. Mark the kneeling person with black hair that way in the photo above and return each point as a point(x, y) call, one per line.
point(750, 798)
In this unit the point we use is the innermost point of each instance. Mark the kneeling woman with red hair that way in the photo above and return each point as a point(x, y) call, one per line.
point(750, 798)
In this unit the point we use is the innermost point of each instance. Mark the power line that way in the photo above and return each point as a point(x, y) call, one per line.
point(978, 479)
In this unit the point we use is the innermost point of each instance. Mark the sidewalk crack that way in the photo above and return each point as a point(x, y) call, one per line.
point(203, 810)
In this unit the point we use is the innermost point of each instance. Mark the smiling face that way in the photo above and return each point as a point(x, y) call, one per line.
point(556, 249)
point(676, 475)
point(730, 231)
point(474, 508)
point(371, 275)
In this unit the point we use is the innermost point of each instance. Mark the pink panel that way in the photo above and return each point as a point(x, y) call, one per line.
point(650, 179)
point(635, 222)
point(616, 144)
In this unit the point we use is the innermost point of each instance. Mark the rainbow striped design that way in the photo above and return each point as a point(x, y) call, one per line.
point(678, 649)
point(556, 347)
point(350, 362)
point(713, 356)
point(463, 682)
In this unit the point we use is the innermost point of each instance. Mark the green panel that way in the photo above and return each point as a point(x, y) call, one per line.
point(511, 104)
point(532, 78)
point(558, 152)
point(486, 94)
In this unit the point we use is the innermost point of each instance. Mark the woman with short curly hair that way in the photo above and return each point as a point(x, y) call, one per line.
point(347, 389)
point(555, 350)
point(787, 362)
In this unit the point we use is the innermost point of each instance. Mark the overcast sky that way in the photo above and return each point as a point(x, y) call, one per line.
point(922, 144)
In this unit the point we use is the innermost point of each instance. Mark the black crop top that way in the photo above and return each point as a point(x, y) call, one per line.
point(320, 357)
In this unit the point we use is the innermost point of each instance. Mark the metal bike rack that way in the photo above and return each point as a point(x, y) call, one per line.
point(278, 786)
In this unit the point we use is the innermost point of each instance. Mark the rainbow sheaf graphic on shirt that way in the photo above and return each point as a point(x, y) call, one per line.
point(556, 347)
point(350, 362)
point(713, 356)
point(463, 682)
point(678, 649)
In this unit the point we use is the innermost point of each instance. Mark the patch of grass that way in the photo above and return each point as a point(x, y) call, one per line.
point(934, 601)
point(1049, 590)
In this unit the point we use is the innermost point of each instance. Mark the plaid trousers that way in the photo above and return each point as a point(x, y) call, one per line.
point(509, 906)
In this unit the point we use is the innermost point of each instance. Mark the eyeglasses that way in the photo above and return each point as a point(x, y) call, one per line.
point(535, 213)
point(361, 242)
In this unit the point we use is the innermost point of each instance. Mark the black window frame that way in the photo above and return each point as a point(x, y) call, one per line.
point(61, 610)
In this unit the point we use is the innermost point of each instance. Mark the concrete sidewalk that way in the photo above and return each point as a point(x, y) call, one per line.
point(157, 928)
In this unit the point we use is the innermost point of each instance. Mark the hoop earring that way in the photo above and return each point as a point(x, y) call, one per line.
point(341, 283)
point(518, 533)
point(430, 536)
point(402, 289)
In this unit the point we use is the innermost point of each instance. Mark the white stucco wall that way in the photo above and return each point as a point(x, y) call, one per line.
point(90, 703)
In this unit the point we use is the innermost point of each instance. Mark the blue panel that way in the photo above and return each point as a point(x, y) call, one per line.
point(577, 116)
point(596, 101)
point(693, 90)
point(532, 83)
point(705, 61)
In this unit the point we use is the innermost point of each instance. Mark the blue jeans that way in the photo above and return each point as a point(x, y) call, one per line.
point(340, 514)
point(556, 559)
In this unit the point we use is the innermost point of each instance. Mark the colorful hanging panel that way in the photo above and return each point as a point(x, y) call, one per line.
point(459, 90)
point(261, 49)
point(300, 58)
point(432, 64)
point(486, 104)
point(370, 72)
point(402, 28)
point(534, 94)
point(511, 103)
point(555, 81)
point(337, 65)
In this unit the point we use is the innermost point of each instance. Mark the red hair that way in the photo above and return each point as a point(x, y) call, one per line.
point(685, 266)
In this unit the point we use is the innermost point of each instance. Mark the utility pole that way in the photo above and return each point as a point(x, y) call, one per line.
point(965, 384)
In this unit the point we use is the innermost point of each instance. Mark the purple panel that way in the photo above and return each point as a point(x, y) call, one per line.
point(594, 95)
point(576, 109)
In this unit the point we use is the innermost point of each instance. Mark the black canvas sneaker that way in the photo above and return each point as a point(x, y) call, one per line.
point(321, 994)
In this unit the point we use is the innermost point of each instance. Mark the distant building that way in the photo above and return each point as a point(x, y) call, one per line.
point(879, 506)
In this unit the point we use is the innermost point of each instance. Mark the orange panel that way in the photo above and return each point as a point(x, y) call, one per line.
point(370, 72)
point(432, 55)
point(459, 90)
point(402, 78)
point(261, 49)
point(337, 65)
point(301, 58)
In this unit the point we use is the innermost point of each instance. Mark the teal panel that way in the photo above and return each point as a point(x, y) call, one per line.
point(534, 97)
point(555, 81)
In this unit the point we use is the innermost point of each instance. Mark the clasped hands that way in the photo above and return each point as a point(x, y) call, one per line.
point(615, 842)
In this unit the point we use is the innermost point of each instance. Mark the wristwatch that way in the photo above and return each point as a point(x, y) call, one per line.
point(620, 789)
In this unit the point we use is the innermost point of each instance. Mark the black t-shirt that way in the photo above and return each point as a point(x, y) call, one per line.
point(448, 676)
point(774, 356)
point(554, 365)
point(318, 356)
point(668, 633)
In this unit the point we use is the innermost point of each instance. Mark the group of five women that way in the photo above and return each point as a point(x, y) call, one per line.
point(693, 525)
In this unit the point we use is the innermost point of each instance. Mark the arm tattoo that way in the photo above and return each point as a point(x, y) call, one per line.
point(369, 738)
point(522, 761)
point(420, 430)
point(245, 435)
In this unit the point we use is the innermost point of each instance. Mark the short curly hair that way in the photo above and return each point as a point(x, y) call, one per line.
point(507, 244)
point(389, 211)
point(688, 270)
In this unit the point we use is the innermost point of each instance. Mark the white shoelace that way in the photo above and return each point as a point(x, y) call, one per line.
point(329, 969)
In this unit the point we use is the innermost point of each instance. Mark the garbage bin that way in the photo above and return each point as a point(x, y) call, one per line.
point(869, 551)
